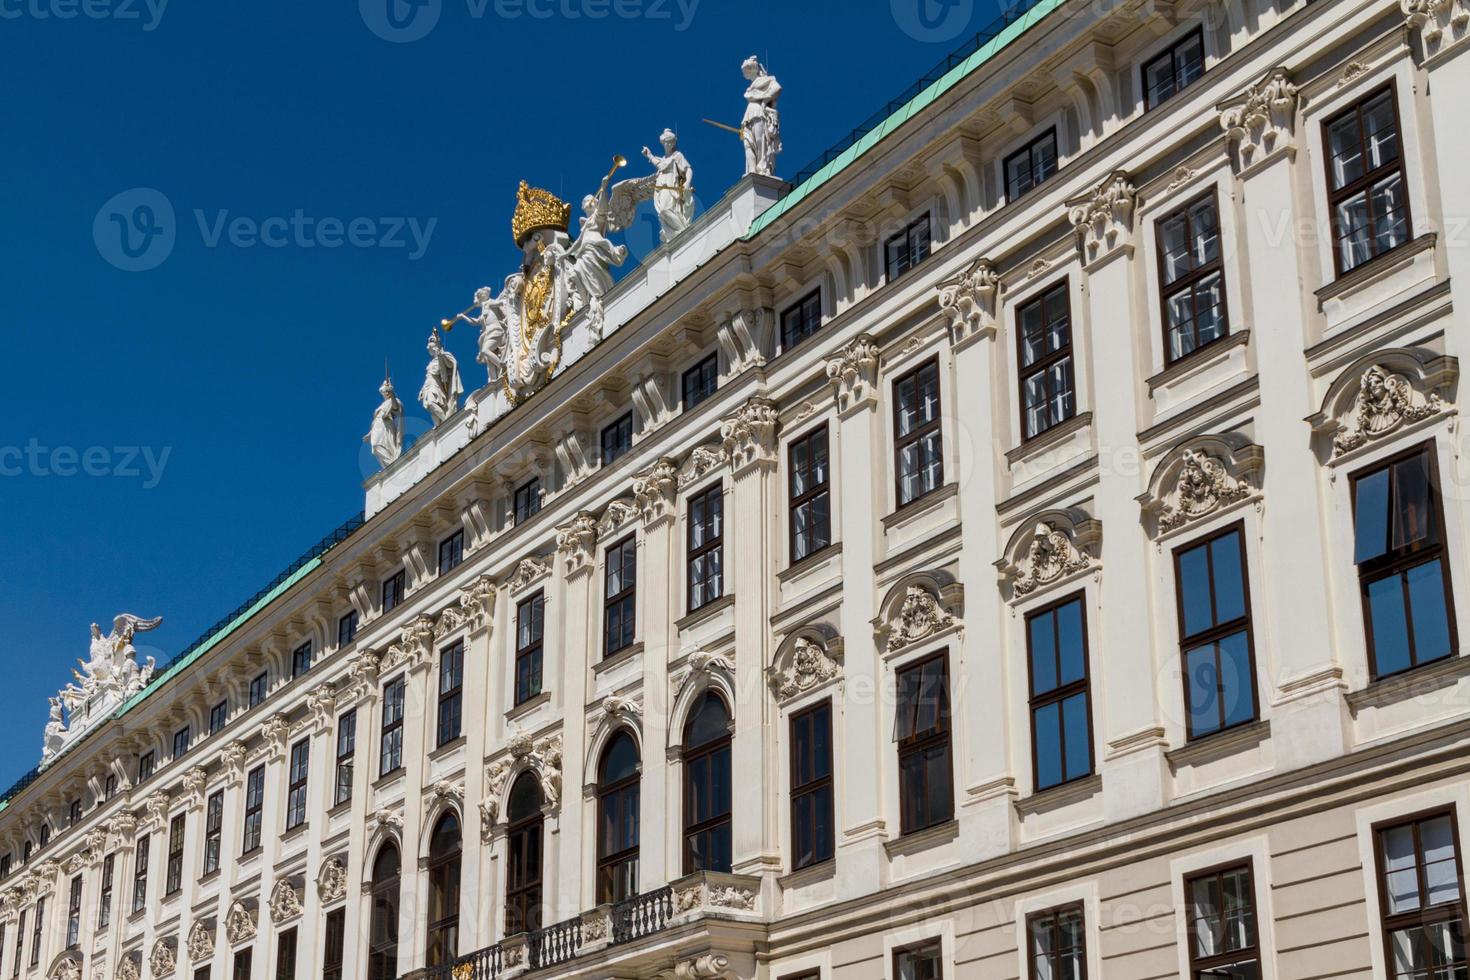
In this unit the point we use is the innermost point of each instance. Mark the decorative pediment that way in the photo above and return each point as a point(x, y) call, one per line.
point(576, 543)
point(807, 660)
point(164, 960)
point(128, 967)
point(201, 942)
point(968, 302)
point(749, 436)
point(1262, 120)
point(1383, 394)
point(917, 607)
point(1104, 218)
point(241, 924)
point(703, 461)
point(854, 373)
point(655, 488)
point(285, 903)
point(331, 883)
point(1203, 476)
point(541, 758)
point(1440, 23)
point(1052, 548)
point(530, 571)
point(70, 968)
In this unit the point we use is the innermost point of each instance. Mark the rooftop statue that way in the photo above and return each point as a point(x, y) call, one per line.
point(760, 130)
point(673, 187)
point(442, 386)
point(107, 678)
point(386, 435)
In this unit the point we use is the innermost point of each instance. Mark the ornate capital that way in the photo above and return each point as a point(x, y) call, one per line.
point(854, 374)
point(277, 732)
point(1441, 23)
point(195, 781)
point(157, 807)
point(477, 603)
point(749, 436)
point(1263, 120)
point(415, 646)
point(968, 303)
point(322, 705)
point(654, 490)
point(1104, 219)
point(576, 543)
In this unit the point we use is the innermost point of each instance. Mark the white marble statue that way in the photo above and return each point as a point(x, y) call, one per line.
point(497, 314)
point(109, 676)
point(386, 435)
point(591, 258)
point(760, 130)
point(673, 189)
point(55, 731)
point(442, 386)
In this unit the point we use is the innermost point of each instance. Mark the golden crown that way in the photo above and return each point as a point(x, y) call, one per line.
point(537, 209)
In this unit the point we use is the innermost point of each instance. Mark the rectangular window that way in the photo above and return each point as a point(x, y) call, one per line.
point(347, 629)
point(1044, 347)
point(907, 249)
point(451, 693)
point(286, 955)
point(20, 945)
point(38, 929)
point(706, 547)
point(254, 808)
point(301, 660)
point(527, 502)
point(109, 786)
point(1174, 70)
point(1191, 279)
point(1222, 924)
point(335, 942)
point(219, 717)
point(296, 790)
point(451, 550)
point(1403, 573)
point(921, 729)
point(1061, 728)
point(620, 593)
point(530, 631)
point(701, 381)
point(181, 742)
point(45, 834)
point(811, 497)
point(74, 813)
point(5, 864)
point(1215, 633)
point(1366, 193)
point(390, 744)
point(214, 827)
point(801, 320)
point(140, 874)
point(243, 965)
point(1030, 166)
point(1057, 944)
point(1422, 898)
point(104, 901)
point(147, 762)
point(74, 914)
point(617, 440)
point(922, 962)
point(812, 838)
point(918, 436)
point(174, 869)
point(346, 756)
point(395, 587)
point(259, 688)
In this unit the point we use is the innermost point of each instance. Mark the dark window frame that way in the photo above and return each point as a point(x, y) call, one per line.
point(1055, 915)
point(395, 695)
point(219, 717)
point(38, 932)
point(1218, 632)
point(623, 602)
point(335, 944)
point(710, 588)
point(142, 855)
point(612, 799)
point(344, 775)
point(616, 439)
point(299, 774)
point(530, 662)
point(1201, 966)
point(921, 743)
point(444, 871)
point(706, 752)
point(1062, 692)
point(260, 688)
point(916, 248)
point(395, 590)
point(699, 383)
point(451, 694)
point(929, 948)
point(147, 765)
point(919, 434)
point(214, 829)
point(1190, 281)
point(526, 501)
point(174, 866)
point(815, 539)
point(1170, 54)
point(801, 320)
point(301, 660)
point(1029, 151)
point(104, 899)
point(386, 896)
point(286, 953)
point(1364, 184)
point(1425, 915)
point(525, 837)
point(451, 552)
point(347, 626)
point(253, 826)
point(74, 913)
point(812, 788)
point(1043, 365)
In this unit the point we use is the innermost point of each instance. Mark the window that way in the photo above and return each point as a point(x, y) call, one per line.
point(243, 964)
point(1030, 166)
point(1057, 943)
point(617, 440)
point(5, 864)
point(530, 630)
point(1044, 345)
point(451, 693)
point(1215, 633)
point(1191, 279)
point(346, 753)
point(527, 501)
point(74, 813)
point(907, 249)
point(620, 594)
point(26, 851)
point(812, 839)
point(174, 869)
point(922, 732)
point(45, 834)
point(1061, 728)
point(524, 850)
point(394, 588)
point(1402, 569)
point(1222, 924)
point(1366, 193)
point(147, 762)
point(444, 886)
point(140, 875)
point(383, 928)
point(1422, 899)
point(701, 381)
point(254, 807)
point(617, 820)
point(181, 742)
point(390, 744)
point(109, 786)
point(706, 547)
point(296, 789)
point(74, 914)
point(214, 827)
point(347, 629)
point(219, 717)
point(801, 320)
point(1174, 70)
point(334, 957)
point(706, 758)
point(38, 929)
point(104, 901)
point(811, 498)
point(301, 660)
point(20, 944)
point(451, 549)
point(917, 434)
point(286, 955)
point(922, 962)
point(259, 688)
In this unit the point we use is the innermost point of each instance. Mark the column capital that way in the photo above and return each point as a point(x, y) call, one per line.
point(968, 303)
point(1261, 122)
point(1441, 24)
point(854, 375)
point(1104, 218)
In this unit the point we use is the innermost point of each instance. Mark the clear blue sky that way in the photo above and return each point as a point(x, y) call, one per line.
point(254, 366)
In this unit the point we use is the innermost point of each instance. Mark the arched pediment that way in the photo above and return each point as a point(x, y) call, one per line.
point(1203, 476)
point(700, 672)
point(1050, 549)
point(918, 607)
point(808, 659)
point(540, 757)
point(1382, 394)
point(613, 714)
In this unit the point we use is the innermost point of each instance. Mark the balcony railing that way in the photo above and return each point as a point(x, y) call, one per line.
point(484, 965)
point(556, 944)
point(642, 915)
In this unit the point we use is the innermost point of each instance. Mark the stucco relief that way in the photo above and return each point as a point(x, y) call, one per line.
point(1052, 548)
point(331, 884)
point(201, 942)
point(1262, 120)
point(916, 608)
point(241, 924)
point(164, 960)
point(1383, 394)
point(968, 301)
point(1104, 218)
point(804, 663)
point(285, 903)
point(1201, 477)
point(1440, 23)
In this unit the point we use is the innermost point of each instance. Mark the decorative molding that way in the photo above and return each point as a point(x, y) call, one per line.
point(241, 924)
point(702, 461)
point(968, 303)
point(321, 704)
point(1441, 23)
point(477, 603)
point(530, 571)
point(618, 515)
point(707, 891)
point(655, 489)
point(277, 733)
point(363, 674)
point(127, 968)
point(285, 903)
point(157, 806)
point(542, 759)
point(854, 374)
point(1053, 548)
point(744, 338)
point(1262, 121)
point(749, 436)
point(1384, 393)
point(331, 884)
point(69, 968)
point(1104, 218)
point(711, 966)
point(803, 663)
point(576, 543)
point(163, 961)
point(415, 646)
point(195, 782)
point(917, 607)
point(1202, 476)
point(1352, 72)
point(201, 942)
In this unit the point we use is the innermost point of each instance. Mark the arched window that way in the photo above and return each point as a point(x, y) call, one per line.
point(444, 854)
point(617, 820)
point(383, 941)
point(523, 849)
point(707, 786)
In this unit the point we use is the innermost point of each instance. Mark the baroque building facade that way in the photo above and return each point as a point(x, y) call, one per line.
point(1030, 545)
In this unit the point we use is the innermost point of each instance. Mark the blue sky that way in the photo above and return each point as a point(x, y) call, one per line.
point(183, 408)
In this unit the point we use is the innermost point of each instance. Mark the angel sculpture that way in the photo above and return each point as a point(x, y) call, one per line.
point(127, 672)
point(590, 258)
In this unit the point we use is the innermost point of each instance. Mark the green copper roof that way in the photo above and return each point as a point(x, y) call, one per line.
point(1001, 38)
